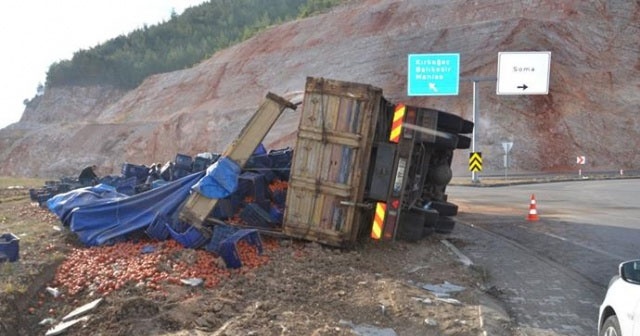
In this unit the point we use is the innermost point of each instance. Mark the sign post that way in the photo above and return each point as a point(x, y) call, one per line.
point(433, 74)
point(476, 103)
point(507, 145)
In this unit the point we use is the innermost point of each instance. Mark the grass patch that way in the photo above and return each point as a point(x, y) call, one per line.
point(13, 288)
point(10, 272)
point(8, 182)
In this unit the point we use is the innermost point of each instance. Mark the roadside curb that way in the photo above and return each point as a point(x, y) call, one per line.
point(491, 183)
point(494, 319)
point(461, 257)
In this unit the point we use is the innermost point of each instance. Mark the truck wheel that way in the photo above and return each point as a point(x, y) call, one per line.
point(430, 219)
point(439, 175)
point(450, 141)
point(445, 208)
point(467, 127)
point(464, 142)
point(445, 225)
point(449, 122)
point(411, 225)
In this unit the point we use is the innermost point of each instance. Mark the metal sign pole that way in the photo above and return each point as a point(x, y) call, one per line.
point(474, 174)
point(506, 145)
point(476, 102)
point(506, 165)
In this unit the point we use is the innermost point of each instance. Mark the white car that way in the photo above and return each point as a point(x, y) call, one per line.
point(620, 310)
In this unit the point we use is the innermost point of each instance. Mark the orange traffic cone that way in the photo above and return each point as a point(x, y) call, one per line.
point(533, 212)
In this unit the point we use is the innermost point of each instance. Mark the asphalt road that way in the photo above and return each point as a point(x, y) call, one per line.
point(551, 273)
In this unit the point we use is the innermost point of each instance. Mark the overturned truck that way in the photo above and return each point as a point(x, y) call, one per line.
point(362, 166)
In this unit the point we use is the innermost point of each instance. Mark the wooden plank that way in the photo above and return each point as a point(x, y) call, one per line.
point(308, 184)
point(197, 206)
point(350, 140)
point(313, 208)
point(351, 90)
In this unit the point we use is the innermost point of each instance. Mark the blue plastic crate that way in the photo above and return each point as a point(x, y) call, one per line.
point(243, 190)
point(184, 161)
point(254, 215)
point(259, 158)
point(257, 185)
point(281, 162)
point(166, 172)
point(279, 197)
point(179, 173)
point(277, 214)
point(158, 183)
point(9, 247)
point(33, 194)
point(127, 186)
point(140, 172)
point(201, 163)
point(228, 249)
point(189, 237)
point(44, 197)
point(220, 233)
point(225, 208)
point(260, 162)
point(64, 187)
point(158, 229)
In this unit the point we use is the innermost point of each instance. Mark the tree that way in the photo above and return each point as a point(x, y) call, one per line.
point(40, 89)
point(179, 43)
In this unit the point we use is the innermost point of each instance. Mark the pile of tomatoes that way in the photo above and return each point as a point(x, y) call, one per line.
point(147, 264)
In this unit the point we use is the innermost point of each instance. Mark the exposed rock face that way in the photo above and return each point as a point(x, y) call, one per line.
point(591, 108)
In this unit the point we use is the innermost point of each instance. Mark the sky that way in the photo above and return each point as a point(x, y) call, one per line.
point(36, 33)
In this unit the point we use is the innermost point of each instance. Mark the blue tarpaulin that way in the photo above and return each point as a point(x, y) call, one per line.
point(63, 204)
point(103, 222)
point(221, 179)
point(100, 215)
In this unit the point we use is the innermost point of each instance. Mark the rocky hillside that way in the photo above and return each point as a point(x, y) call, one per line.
point(591, 108)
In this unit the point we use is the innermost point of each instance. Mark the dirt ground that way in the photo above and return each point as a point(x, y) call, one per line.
point(294, 288)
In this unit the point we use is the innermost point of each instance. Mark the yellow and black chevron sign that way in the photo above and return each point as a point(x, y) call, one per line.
point(475, 161)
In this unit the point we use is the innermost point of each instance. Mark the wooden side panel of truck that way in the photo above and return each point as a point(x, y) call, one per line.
point(330, 161)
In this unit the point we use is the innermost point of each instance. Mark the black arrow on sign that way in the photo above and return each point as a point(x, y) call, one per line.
point(523, 87)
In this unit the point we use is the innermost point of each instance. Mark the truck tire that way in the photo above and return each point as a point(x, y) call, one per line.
point(467, 127)
point(464, 142)
point(430, 219)
point(439, 175)
point(411, 225)
point(445, 225)
point(449, 122)
point(445, 208)
point(448, 141)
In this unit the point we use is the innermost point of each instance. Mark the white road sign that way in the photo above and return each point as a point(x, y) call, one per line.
point(581, 160)
point(523, 72)
point(507, 146)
